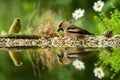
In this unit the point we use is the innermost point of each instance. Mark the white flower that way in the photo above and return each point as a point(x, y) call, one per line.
point(79, 64)
point(78, 13)
point(99, 72)
point(98, 6)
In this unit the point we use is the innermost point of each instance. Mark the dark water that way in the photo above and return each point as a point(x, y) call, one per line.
point(57, 64)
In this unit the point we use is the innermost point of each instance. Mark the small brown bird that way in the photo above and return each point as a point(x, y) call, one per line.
point(73, 31)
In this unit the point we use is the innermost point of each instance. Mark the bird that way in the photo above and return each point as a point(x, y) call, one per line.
point(15, 27)
point(73, 31)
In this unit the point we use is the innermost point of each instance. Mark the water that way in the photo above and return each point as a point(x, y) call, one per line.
point(57, 63)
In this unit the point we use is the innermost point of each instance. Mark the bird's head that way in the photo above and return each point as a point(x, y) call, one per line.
point(63, 26)
point(59, 58)
point(62, 59)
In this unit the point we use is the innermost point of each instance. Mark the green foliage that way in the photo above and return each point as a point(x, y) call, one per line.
point(111, 60)
point(110, 22)
point(105, 22)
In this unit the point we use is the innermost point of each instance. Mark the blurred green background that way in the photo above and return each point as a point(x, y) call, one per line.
point(25, 9)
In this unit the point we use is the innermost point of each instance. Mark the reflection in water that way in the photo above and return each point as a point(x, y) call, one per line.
point(48, 55)
point(71, 54)
point(15, 56)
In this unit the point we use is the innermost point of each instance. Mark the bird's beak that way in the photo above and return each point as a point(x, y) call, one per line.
point(59, 58)
point(59, 28)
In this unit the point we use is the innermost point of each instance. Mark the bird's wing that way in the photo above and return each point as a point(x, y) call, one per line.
point(75, 29)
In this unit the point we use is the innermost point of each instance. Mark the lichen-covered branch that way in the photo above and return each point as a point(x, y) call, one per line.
point(24, 41)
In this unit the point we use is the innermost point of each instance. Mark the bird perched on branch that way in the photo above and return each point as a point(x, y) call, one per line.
point(15, 27)
point(73, 31)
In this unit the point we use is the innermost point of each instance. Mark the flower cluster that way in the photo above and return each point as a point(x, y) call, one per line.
point(78, 13)
point(98, 72)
